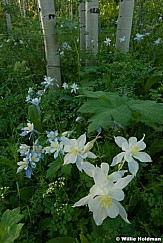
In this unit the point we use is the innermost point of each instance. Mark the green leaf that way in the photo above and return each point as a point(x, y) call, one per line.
point(35, 117)
point(149, 112)
point(54, 167)
point(107, 108)
point(152, 80)
point(9, 227)
point(62, 240)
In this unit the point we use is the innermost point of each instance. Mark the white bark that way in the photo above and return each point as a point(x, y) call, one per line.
point(124, 25)
point(82, 25)
point(48, 22)
point(8, 17)
point(92, 11)
point(24, 8)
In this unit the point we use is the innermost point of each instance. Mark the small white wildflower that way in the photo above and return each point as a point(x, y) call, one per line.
point(65, 85)
point(74, 88)
point(122, 39)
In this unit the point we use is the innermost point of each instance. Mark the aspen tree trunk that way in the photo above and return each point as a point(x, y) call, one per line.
point(92, 11)
point(24, 8)
point(8, 17)
point(124, 25)
point(82, 38)
point(48, 22)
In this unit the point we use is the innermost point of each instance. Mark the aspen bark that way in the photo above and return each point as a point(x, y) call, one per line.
point(82, 38)
point(124, 25)
point(48, 22)
point(8, 17)
point(92, 11)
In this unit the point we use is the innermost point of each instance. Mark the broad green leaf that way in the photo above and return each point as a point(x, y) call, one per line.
point(149, 112)
point(106, 110)
point(62, 240)
point(152, 80)
point(9, 227)
point(53, 168)
point(35, 117)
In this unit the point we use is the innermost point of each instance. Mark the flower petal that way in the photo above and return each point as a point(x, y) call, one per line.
point(91, 155)
point(81, 141)
point(70, 158)
point(83, 201)
point(123, 182)
point(117, 194)
point(116, 175)
point(113, 211)
point(105, 168)
point(133, 167)
point(143, 157)
point(132, 142)
point(120, 140)
point(88, 168)
point(122, 211)
point(117, 159)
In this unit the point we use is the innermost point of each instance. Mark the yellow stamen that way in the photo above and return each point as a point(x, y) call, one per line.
point(106, 202)
point(135, 150)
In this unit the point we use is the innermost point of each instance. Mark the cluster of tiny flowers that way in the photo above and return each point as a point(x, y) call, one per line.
point(73, 87)
point(2, 191)
point(31, 155)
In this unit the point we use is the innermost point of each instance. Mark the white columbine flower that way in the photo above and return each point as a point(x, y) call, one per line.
point(65, 85)
point(48, 82)
point(139, 37)
point(24, 149)
point(36, 101)
point(76, 151)
point(54, 148)
point(104, 197)
point(107, 41)
point(122, 39)
point(157, 42)
point(132, 150)
point(74, 88)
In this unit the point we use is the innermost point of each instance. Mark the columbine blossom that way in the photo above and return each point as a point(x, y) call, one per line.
point(122, 39)
point(54, 148)
point(28, 130)
point(65, 85)
point(76, 150)
point(139, 37)
point(52, 135)
point(23, 149)
point(66, 46)
point(157, 42)
point(74, 88)
point(36, 101)
point(24, 165)
point(107, 41)
point(48, 82)
point(103, 199)
point(132, 150)
point(32, 156)
point(38, 149)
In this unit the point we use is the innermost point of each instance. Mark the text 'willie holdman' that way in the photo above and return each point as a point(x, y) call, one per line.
point(136, 239)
